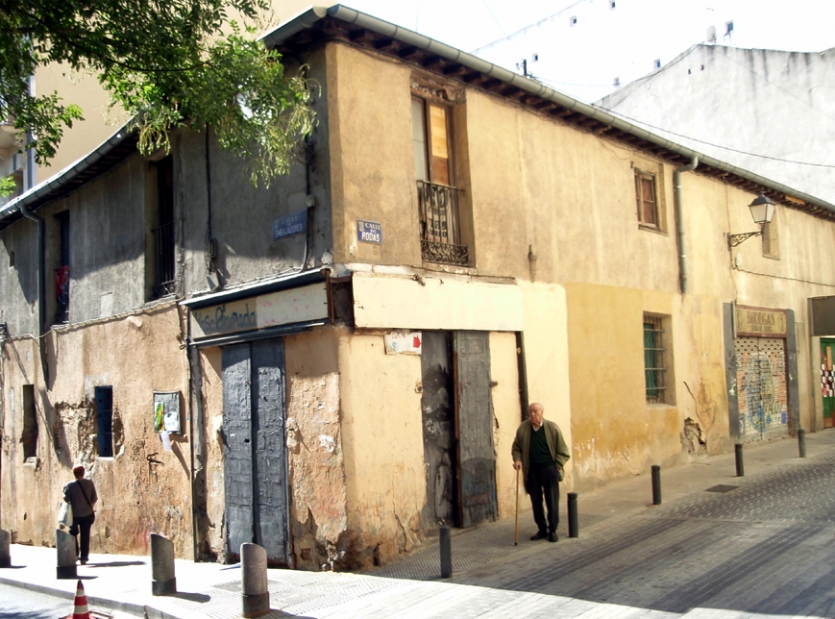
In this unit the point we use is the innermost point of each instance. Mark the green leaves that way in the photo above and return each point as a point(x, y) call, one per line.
point(166, 62)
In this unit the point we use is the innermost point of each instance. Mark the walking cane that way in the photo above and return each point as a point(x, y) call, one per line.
point(516, 531)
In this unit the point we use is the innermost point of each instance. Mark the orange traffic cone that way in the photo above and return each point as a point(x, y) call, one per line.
point(80, 611)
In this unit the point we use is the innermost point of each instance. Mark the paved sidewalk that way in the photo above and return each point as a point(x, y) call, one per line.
point(632, 560)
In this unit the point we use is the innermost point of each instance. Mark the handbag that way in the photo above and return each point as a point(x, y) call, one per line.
point(64, 515)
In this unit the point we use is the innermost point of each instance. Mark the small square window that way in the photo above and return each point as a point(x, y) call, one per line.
point(646, 196)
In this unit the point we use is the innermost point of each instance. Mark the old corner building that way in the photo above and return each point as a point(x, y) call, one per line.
point(333, 366)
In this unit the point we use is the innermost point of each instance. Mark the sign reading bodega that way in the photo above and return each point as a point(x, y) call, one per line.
point(755, 321)
point(283, 307)
point(227, 318)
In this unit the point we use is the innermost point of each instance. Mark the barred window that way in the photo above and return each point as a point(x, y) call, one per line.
point(654, 361)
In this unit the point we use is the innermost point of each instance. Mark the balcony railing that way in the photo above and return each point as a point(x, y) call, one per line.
point(440, 232)
point(164, 260)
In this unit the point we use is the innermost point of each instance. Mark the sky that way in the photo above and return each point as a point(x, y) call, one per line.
point(582, 46)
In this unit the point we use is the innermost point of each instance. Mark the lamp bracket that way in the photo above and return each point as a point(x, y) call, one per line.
point(736, 239)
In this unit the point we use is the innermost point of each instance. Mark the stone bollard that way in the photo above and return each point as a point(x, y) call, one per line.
point(5, 542)
point(801, 443)
point(445, 543)
point(656, 484)
point(254, 583)
point(573, 521)
point(740, 463)
point(162, 566)
point(65, 545)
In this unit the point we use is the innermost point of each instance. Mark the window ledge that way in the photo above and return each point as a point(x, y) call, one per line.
point(652, 229)
point(659, 405)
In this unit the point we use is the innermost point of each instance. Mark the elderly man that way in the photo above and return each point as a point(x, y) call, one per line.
point(540, 451)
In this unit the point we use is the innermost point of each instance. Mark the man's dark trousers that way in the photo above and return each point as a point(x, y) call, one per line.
point(545, 479)
point(82, 525)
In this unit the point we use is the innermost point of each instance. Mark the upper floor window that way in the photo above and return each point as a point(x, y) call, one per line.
point(647, 199)
point(438, 198)
point(431, 127)
point(164, 231)
point(62, 273)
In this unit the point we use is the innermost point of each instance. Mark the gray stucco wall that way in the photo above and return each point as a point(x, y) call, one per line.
point(242, 215)
point(18, 283)
point(770, 103)
point(107, 243)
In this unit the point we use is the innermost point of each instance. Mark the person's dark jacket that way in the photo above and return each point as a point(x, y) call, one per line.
point(521, 449)
point(75, 497)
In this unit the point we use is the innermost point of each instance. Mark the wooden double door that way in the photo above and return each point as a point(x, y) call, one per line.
point(457, 415)
point(255, 449)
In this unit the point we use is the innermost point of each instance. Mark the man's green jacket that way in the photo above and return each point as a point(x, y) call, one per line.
point(521, 449)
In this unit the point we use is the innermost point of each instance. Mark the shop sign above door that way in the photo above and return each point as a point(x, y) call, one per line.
point(761, 322)
point(284, 307)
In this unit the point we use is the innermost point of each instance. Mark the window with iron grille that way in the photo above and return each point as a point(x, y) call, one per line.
point(438, 198)
point(62, 273)
point(646, 196)
point(655, 368)
point(164, 233)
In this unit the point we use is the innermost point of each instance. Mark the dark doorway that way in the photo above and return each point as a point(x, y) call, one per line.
point(457, 412)
point(255, 449)
point(438, 413)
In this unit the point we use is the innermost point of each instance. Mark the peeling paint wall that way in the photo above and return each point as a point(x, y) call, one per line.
point(142, 488)
point(317, 476)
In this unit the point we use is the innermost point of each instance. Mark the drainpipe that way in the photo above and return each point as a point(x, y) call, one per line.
point(41, 285)
point(682, 257)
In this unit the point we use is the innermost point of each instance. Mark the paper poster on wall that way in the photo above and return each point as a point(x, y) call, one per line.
point(403, 343)
point(167, 411)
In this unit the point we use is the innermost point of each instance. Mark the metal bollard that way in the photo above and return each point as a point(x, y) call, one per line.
point(163, 580)
point(740, 465)
point(254, 583)
point(446, 553)
point(573, 523)
point(5, 555)
point(656, 484)
point(801, 442)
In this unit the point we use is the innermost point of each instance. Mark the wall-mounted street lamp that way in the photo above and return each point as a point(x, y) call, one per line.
point(762, 210)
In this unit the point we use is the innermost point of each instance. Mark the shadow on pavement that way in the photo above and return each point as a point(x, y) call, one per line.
point(116, 564)
point(200, 598)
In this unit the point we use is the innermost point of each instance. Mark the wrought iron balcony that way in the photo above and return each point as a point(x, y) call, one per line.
point(440, 232)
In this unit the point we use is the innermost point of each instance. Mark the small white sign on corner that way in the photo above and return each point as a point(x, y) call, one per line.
point(403, 343)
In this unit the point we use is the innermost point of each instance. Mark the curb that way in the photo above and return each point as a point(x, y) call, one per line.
point(140, 610)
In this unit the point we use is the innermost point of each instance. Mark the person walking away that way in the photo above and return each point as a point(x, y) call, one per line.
point(539, 449)
point(81, 495)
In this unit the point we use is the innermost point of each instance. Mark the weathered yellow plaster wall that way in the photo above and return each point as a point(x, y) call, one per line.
point(382, 436)
point(507, 414)
point(370, 121)
point(318, 510)
point(142, 489)
point(553, 207)
point(615, 433)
